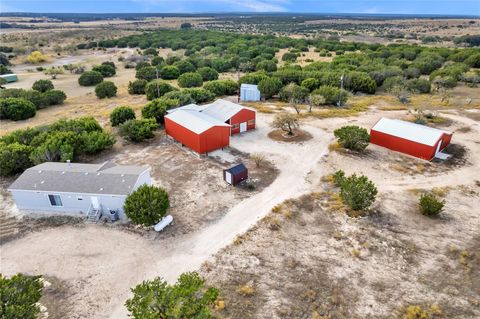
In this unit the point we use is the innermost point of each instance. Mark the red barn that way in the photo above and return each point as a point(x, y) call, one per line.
point(413, 139)
point(241, 119)
point(200, 132)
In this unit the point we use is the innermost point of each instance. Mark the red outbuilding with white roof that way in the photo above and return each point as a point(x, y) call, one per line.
point(200, 132)
point(413, 139)
point(241, 118)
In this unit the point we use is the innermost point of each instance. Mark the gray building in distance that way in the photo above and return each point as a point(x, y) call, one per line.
point(77, 189)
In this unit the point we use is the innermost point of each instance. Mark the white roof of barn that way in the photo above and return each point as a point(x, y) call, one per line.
point(107, 178)
point(188, 107)
point(222, 109)
point(194, 121)
point(410, 131)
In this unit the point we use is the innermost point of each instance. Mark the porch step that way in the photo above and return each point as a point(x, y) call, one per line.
point(93, 216)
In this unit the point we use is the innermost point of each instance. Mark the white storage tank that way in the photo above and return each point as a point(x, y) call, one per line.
point(164, 222)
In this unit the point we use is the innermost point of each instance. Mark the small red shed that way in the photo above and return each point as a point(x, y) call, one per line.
point(198, 131)
point(413, 139)
point(241, 118)
point(235, 174)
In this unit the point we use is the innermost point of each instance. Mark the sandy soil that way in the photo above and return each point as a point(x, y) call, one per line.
point(307, 259)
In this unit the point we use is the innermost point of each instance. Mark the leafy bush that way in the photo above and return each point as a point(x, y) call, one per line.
point(418, 86)
point(200, 95)
point(208, 74)
point(137, 87)
point(267, 65)
point(150, 51)
point(332, 95)
point(352, 137)
point(106, 70)
point(62, 140)
point(147, 73)
point(310, 84)
point(169, 72)
point(14, 158)
point(269, 87)
point(157, 108)
point(42, 85)
point(16, 109)
point(187, 298)
point(105, 89)
point(190, 79)
point(182, 97)
point(138, 130)
point(289, 57)
point(221, 87)
point(36, 57)
point(54, 97)
point(338, 178)
point(121, 114)
point(293, 92)
point(430, 205)
point(253, 78)
point(358, 192)
point(146, 205)
point(20, 295)
point(184, 66)
point(90, 78)
point(286, 122)
point(158, 88)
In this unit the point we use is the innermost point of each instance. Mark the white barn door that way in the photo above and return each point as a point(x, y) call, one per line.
point(243, 127)
point(228, 177)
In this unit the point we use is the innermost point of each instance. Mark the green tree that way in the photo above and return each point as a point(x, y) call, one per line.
point(184, 66)
point(430, 205)
point(169, 72)
point(158, 88)
point(310, 84)
point(352, 137)
point(185, 25)
point(137, 87)
point(199, 95)
point(269, 87)
point(190, 79)
point(138, 130)
point(16, 109)
point(286, 122)
point(147, 73)
point(332, 95)
point(150, 51)
point(121, 114)
point(42, 85)
point(106, 70)
point(267, 65)
point(182, 97)
point(105, 89)
point(221, 87)
point(293, 93)
point(95, 142)
point(157, 108)
point(14, 158)
point(187, 298)
point(289, 57)
point(19, 296)
point(208, 74)
point(358, 192)
point(146, 205)
point(90, 78)
point(54, 97)
point(53, 72)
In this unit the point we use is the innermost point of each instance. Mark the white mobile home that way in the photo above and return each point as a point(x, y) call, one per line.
point(77, 189)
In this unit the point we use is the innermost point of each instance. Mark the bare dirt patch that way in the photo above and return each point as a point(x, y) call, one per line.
point(297, 137)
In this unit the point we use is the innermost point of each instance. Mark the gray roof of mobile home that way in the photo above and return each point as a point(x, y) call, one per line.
point(107, 178)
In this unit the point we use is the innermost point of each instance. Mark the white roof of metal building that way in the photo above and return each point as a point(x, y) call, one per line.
point(410, 131)
point(222, 109)
point(194, 121)
point(191, 107)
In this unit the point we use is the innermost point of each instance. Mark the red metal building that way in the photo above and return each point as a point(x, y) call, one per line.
point(241, 118)
point(413, 139)
point(200, 132)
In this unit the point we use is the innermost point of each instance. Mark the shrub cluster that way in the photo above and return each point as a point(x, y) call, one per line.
point(221, 87)
point(146, 205)
point(138, 130)
point(90, 78)
point(352, 137)
point(16, 109)
point(20, 295)
point(105, 89)
point(430, 205)
point(121, 114)
point(158, 88)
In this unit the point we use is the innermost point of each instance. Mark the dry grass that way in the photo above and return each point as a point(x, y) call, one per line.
point(246, 290)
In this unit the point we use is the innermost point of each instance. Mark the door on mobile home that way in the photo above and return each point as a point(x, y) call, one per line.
point(243, 127)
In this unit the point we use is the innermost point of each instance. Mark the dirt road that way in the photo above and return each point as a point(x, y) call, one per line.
point(299, 168)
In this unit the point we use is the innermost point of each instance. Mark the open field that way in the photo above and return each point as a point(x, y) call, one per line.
point(288, 247)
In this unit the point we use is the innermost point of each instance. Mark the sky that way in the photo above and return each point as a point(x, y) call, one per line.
point(440, 7)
